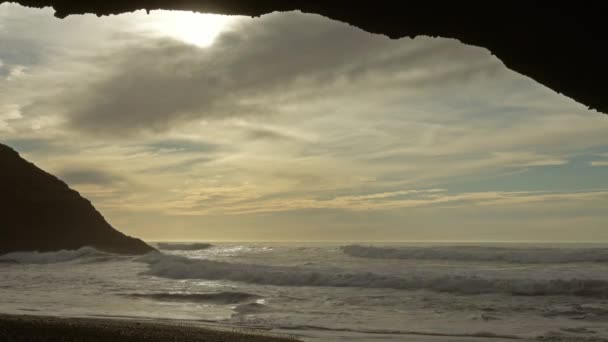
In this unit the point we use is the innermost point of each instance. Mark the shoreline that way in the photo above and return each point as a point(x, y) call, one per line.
point(31, 328)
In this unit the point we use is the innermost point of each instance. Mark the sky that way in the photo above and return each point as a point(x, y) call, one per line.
point(291, 126)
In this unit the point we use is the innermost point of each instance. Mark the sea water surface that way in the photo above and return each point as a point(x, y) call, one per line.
point(330, 291)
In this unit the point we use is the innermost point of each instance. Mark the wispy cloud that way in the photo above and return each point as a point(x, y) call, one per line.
point(214, 201)
point(9, 113)
point(602, 160)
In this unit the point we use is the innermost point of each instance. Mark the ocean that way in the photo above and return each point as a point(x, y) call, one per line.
point(329, 291)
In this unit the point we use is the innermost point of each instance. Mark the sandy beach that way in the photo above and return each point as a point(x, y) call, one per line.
point(17, 328)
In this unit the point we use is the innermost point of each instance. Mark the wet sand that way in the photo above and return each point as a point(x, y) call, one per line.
point(18, 328)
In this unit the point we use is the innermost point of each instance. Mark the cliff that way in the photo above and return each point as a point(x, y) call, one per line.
point(40, 212)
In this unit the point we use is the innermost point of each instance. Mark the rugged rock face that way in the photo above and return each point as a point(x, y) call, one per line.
point(40, 212)
point(558, 45)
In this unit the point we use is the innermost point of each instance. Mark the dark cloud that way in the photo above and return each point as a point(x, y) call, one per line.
point(248, 71)
point(28, 145)
point(88, 176)
point(268, 134)
point(152, 86)
point(19, 51)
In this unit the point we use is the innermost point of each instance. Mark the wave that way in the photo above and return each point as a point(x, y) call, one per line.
point(178, 267)
point(212, 298)
point(251, 308)
point(57, 256)
point(183, 246)
point(479, 253)
point(481, 334)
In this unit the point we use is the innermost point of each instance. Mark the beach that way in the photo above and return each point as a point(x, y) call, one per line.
point(16, 328)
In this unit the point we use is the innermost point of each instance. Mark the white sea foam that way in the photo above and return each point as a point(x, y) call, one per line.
point(183, 246)
point(177, 267)
point(481, 253)
point(54, 257)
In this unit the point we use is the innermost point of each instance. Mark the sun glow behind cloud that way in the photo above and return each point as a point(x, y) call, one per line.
point(192, 28)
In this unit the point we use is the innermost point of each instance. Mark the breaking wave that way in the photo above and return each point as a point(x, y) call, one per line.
point(177, 267)
point(212, 298)
point(183, 246)
point(478, 253)
point(251, 308)
point(58, 256)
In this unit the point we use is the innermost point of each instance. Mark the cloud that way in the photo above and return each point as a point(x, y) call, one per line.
point(8, 113)
point(15, 72)
point(603, 161)
point(225, 202)
point(38, 145)
point(253, 69)
point(267, 134)
point(89, 176)
point(181, 145)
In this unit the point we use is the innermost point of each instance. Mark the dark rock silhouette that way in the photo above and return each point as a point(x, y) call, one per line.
point(559, 45)
point(40, 212)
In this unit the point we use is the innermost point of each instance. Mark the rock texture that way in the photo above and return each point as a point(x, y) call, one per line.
point(40, 212)
point(560, 45)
